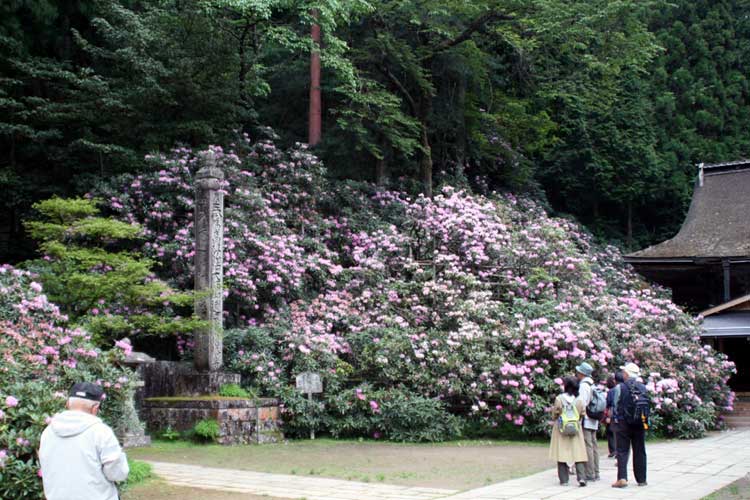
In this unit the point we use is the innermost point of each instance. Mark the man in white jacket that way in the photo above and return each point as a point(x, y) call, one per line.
point(80, 455)
point(590, 425)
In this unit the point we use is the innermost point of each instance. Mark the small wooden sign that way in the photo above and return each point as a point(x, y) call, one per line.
point(309, 383)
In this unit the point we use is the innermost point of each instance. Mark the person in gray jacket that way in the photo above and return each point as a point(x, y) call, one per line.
point(79, 454)
point(590, 425)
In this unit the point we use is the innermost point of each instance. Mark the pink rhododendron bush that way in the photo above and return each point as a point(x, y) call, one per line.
point(424, 317)
point(40, 358)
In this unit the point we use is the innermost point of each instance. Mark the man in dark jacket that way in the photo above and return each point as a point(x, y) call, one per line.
point(629, 433)
point(612, 393)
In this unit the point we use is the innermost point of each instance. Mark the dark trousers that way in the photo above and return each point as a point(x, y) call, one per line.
point(628, 436)
point(564, 474)
point(611, 438)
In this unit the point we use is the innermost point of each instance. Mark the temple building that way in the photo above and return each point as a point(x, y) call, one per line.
point(707, 264)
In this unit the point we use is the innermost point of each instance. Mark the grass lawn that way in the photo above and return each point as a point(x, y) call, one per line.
point(158, 490)
point(739, 489)
point(456, 465)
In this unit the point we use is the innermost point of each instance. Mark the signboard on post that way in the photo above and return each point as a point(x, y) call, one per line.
point(309, 383)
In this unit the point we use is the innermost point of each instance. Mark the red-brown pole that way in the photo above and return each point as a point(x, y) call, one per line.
point(315, 117)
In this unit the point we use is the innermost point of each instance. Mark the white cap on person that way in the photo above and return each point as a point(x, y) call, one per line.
point(632, 370)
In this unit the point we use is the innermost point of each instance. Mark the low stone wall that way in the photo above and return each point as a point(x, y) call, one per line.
point(241, 421)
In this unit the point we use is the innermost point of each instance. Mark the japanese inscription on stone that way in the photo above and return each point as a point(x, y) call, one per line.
point(209, 264)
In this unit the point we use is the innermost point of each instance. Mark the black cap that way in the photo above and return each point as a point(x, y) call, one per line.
point(87, 390)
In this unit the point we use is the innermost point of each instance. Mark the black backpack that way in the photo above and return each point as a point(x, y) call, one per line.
point(637, 407)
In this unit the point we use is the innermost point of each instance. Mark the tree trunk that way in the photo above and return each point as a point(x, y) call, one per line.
point(65, 48)
point(315, 114)
point(461, 139)
point(13, 149)
point(630, 224)
point(425, 164)
point(381, 165)
point(380, 172)
point(244, 68)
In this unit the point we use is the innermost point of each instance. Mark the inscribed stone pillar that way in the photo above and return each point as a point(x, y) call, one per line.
point(209, 264)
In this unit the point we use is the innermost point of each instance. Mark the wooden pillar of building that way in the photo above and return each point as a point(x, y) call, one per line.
point(727, 280)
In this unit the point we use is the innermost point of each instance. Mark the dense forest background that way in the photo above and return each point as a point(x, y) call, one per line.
point(601, 108)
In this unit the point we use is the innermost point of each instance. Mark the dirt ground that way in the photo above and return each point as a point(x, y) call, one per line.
point(738, 490)
point(459, 465)
point(157, 490)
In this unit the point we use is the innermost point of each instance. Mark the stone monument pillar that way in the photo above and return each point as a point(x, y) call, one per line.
point(209, 264)
point(178, 395)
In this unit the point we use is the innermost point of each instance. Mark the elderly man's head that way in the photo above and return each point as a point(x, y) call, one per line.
point(85, 397)
point(630, 370)
point(84, 405)
point(584, 370)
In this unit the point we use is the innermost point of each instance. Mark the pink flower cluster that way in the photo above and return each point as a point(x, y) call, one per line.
point(40, 357)
point(481, 302)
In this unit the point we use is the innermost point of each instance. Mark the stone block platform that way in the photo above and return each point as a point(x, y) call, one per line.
point(171, 378)
point(241, 421)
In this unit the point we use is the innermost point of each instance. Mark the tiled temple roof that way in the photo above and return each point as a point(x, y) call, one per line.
point(718, 222)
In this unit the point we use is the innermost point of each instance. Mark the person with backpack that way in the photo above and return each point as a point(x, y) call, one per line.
point(613, 395)
point(567, 445)
point(632, 417)
point(594, 403)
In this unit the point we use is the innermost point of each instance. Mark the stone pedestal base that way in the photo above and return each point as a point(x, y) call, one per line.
point(200, 383)
point(241, 421)
point(170, 378)
point(134, 440)
point(177, 396)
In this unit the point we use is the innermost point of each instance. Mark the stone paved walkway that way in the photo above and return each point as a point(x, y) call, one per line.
point(680, 470)
point(683, 470)
point(284, 486)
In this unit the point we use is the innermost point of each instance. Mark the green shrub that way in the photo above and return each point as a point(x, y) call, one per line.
point(394, 414)
point(91, 270)
point(139, 472)
point(408, 417)
point(207, 429)
point(235, 391)
point(170, 434)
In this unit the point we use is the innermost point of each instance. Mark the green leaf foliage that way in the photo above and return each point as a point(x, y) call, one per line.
point(140, 472)
point(235, 391)
point(89, 268)
point(602, 107)
point(207, 429)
